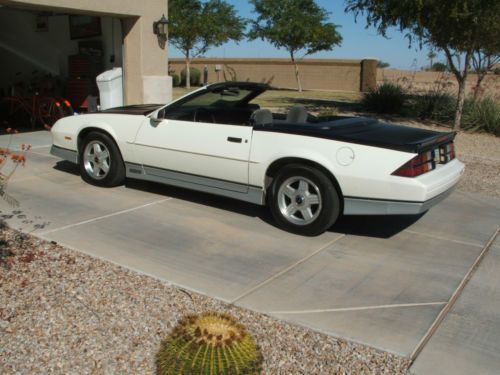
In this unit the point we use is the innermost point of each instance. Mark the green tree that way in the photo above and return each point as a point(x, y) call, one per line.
point(457, 27)
point(195, 27)
point(439, 67)
point(299, 26)
point(383, 64)
point(431, 55)
point(483, 62)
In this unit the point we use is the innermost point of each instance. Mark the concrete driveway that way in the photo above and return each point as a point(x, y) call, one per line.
point(381, 281)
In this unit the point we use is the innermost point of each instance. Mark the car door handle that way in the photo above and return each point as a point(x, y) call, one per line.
point(234, 139)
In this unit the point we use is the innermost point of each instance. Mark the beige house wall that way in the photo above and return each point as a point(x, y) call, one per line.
point(145, 64)
point(316, 74)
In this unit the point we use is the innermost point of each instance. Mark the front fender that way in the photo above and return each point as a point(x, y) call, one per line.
point(67, 132)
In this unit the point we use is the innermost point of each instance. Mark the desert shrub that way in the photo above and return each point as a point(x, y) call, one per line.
point(433, 105)
point(482, 115)
point(439, 67)
point(209, 343)
point(386, 98)
point(327, 112)
point(176, 80)
point(195, 77)
point(9, 162)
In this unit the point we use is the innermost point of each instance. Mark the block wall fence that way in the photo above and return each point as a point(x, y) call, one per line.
point(316, 74)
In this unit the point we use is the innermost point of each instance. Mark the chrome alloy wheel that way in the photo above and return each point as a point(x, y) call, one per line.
point(96, 160)
point(299, 200)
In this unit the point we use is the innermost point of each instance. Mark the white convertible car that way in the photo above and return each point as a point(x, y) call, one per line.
point(307, 169)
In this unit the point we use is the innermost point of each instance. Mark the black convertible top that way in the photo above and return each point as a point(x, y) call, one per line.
point(365, 131)
point(136, 109)
point(238, 84)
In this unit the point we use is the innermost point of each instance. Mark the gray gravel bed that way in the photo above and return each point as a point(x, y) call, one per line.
point(63, 312)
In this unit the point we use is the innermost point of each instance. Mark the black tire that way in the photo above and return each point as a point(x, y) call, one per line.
point(323, 215)
point(115, 174)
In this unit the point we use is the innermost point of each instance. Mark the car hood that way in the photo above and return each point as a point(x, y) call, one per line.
point(138, 109)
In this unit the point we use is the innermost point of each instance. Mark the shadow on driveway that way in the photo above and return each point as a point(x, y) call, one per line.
point(378, 226)
point(366, 226)
point(67, 167)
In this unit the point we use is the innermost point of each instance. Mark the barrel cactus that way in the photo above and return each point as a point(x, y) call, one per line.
point(210, 343)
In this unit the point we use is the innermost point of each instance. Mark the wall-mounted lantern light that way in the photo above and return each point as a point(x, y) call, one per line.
point(160, 29)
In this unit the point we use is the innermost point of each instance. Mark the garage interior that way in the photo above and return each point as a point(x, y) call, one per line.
point(57, 54)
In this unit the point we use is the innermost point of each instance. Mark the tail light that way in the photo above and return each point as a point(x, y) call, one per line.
point(446, 153)
point(418, 165)
point(426, 161)
point(66, 103)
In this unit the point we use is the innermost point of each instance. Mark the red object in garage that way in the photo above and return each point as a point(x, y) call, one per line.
point(82, 71)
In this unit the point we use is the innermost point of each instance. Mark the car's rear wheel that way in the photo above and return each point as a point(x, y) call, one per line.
point(303, 200)
point(100, 161)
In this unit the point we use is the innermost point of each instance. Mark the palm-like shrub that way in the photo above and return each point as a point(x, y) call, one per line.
point(210, 344)
point(436, 105)
point(482, 115)
point(386, 98)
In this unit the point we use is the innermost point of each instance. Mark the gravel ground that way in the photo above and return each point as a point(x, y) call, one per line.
point(63, 312)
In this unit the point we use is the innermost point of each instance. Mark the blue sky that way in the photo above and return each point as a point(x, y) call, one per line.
point(358, 42)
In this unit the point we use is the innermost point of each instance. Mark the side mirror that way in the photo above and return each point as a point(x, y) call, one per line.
point(157, 117)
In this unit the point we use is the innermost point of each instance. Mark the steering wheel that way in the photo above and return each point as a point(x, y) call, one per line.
point(203, 111)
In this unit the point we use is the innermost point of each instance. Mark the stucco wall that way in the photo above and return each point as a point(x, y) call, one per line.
point(316, 74)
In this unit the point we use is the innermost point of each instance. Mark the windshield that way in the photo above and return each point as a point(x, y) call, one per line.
point(224, 102)
point(220, 98)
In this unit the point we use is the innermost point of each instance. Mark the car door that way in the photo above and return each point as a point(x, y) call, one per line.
point(197, 152)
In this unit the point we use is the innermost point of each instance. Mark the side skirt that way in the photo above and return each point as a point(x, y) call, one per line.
point(251, 194)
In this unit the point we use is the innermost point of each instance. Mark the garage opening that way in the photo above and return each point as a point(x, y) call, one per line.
point(50, 62)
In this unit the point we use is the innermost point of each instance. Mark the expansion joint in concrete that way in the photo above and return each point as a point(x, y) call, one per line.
point(102, 217)
point(451, 302)
point(287, 269)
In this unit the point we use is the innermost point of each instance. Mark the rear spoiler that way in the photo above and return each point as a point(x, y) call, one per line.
point(432, 142)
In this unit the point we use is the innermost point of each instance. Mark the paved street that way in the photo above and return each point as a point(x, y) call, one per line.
point(381, 281)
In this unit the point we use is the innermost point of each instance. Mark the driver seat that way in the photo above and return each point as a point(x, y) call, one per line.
point(262, 117)
point(297, 115)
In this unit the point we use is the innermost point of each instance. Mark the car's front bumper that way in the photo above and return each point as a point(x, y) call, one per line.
point(64, 153)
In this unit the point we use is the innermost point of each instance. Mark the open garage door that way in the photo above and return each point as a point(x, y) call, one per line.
point(50, 61)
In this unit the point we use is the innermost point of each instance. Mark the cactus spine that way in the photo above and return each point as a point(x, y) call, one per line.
point(209, 344)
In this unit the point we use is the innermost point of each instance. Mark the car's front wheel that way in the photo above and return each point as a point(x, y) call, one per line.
point(303, 200)
point(100, 161)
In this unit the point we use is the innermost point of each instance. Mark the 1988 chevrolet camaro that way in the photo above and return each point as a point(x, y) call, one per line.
point(307, 169)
